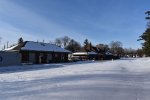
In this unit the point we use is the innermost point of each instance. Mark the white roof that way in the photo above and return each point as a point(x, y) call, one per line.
point(108, 53)
point(84, 53)
point(37, 46)
point(11, 48)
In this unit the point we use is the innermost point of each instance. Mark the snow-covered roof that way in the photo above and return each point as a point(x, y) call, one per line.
point(11, 48)
point(38, 46)
point(80, 53)
point(84, 53)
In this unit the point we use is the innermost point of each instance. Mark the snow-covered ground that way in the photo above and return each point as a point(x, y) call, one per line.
point(125, 79)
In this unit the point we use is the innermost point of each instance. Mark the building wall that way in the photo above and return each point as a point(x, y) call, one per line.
point(49, 57)
point(25, 57)
point(9, 58)
point(32, 58)
point(37, 57)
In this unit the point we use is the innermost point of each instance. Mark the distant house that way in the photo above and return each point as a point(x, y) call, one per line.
point(94, 53)
point(85, 55)
point(38, 52)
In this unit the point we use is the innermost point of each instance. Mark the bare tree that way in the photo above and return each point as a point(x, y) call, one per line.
point(65, 41)
point(73, 46)
point(129, 52)
point(116, 48)
point(58, 42)
point(103, 47)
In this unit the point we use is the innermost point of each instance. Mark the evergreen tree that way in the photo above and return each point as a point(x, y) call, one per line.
point(146, 37)
point(146, 45)
point(20, 40)
point(90, 46)
point(86, 43)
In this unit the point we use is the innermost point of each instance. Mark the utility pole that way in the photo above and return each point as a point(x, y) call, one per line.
point(7, 44)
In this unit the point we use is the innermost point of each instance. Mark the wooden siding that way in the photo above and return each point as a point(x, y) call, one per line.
point(44, 57)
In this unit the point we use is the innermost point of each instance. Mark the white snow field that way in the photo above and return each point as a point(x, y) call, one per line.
point(126, 79)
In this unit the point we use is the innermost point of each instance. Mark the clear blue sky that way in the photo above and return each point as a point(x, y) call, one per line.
point(100, 21)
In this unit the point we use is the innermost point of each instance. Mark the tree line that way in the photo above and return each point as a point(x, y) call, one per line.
point(114, 47)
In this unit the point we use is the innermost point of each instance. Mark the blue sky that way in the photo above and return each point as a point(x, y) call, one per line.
point(100, 21)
